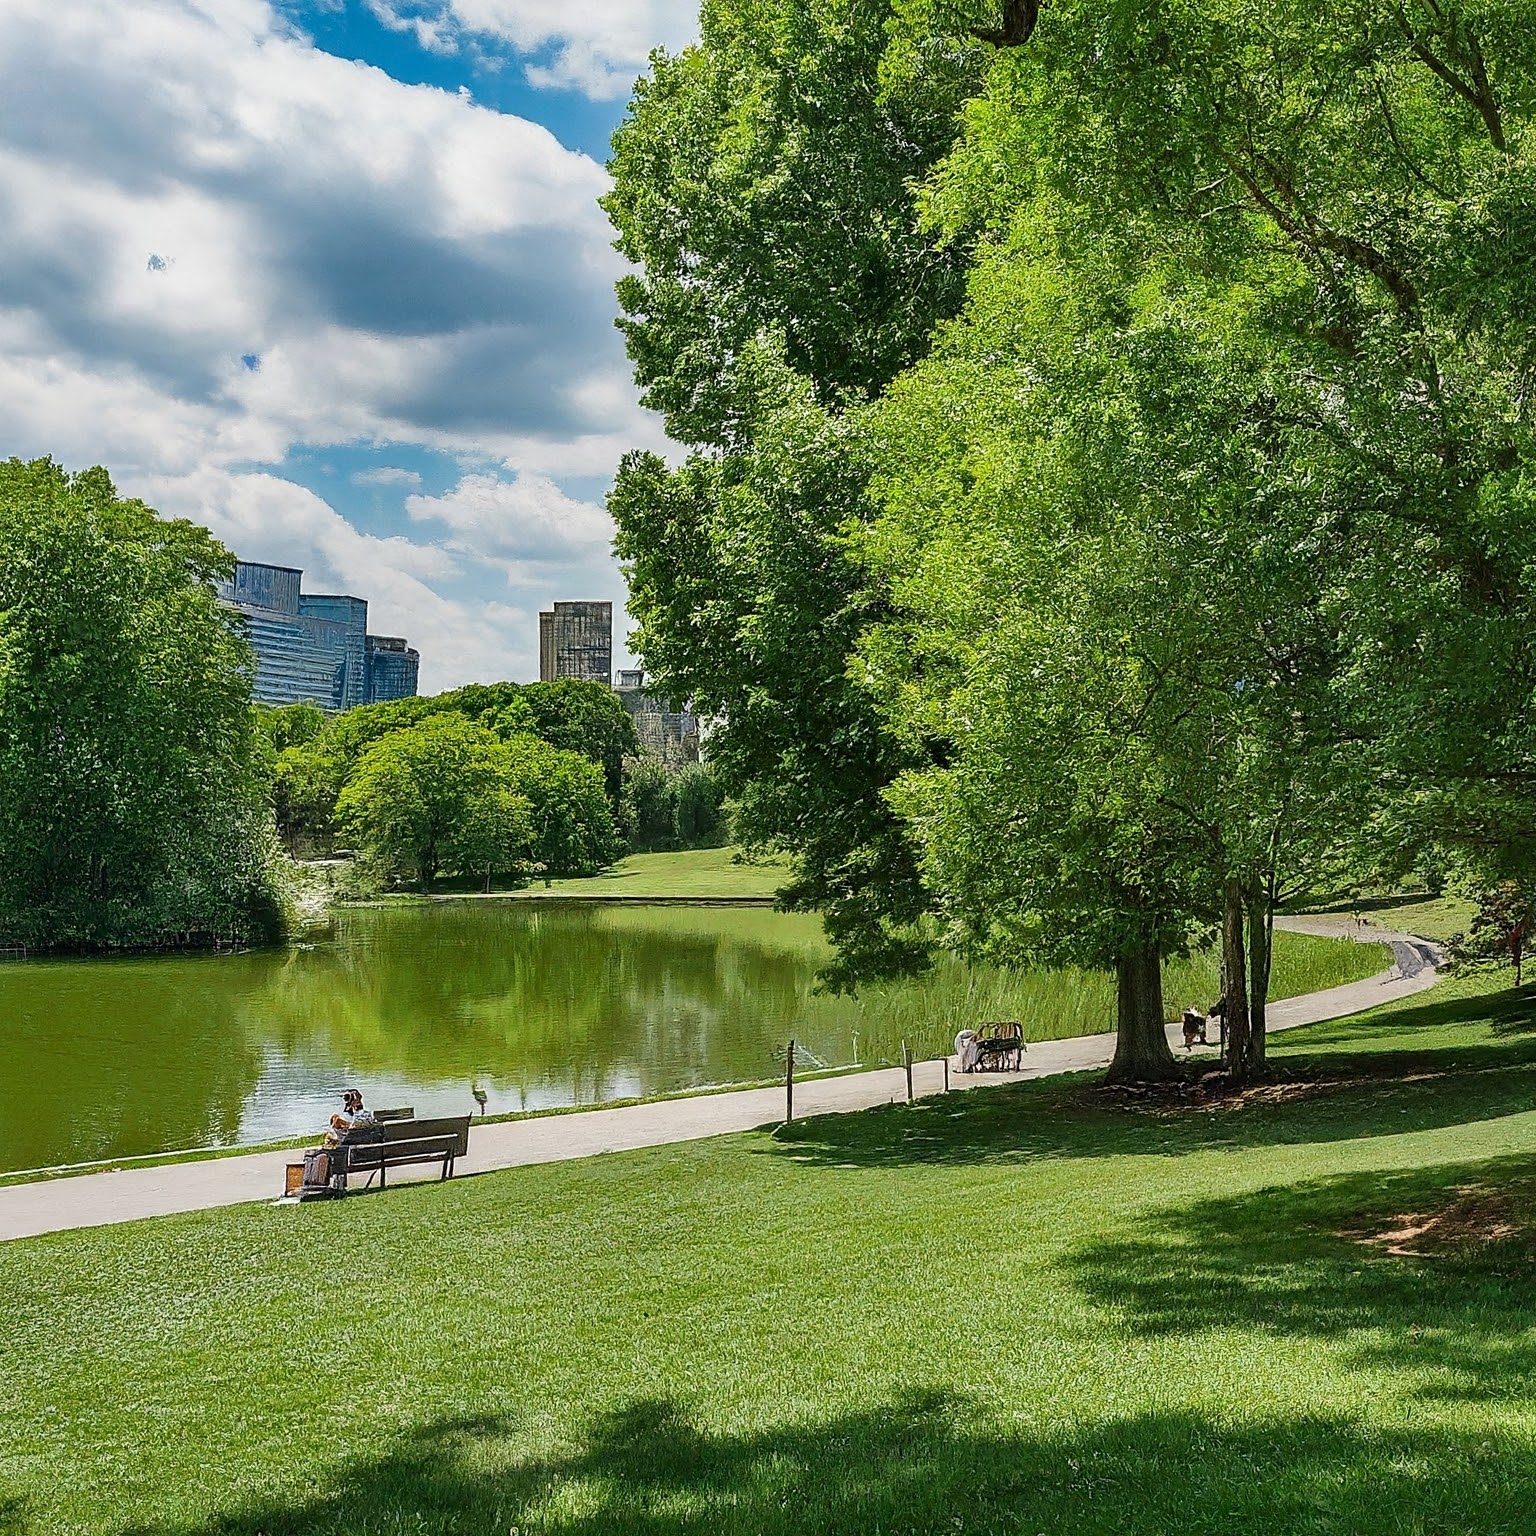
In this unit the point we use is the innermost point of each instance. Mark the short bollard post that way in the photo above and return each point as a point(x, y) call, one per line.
point(946, 1074)
point(906, 1061)
point(789, 1083)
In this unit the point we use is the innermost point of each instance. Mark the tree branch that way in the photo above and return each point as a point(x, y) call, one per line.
point(1019, 18)
point(1479, 94)
point(1309, 232)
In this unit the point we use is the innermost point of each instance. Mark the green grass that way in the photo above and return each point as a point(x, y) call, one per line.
point(1060, 1005)
point(708, 873)
point(1010, 1310)
point(1430, 917)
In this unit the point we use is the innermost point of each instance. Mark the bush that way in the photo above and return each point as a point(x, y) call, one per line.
point(647, 805)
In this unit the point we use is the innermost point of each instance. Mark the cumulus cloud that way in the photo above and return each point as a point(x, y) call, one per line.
point(218, 244)
point(520, 523)
point(591, 46)
point(268, 518)
point(402, 263)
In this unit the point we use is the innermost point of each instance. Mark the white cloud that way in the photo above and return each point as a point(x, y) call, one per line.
point(522, 522)
point(386, 474)
point(401, 262)
point(592, 46)
point(218, 244)
point(269, 518)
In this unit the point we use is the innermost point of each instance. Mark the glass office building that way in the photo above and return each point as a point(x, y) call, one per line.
point(310, 646)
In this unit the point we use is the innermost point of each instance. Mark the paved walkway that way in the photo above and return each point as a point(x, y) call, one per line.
point(99, 1199)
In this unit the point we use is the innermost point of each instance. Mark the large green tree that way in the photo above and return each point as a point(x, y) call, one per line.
point(1341, 193)
point(438, 797)
point(1118, 753)
point(131, 810)
point(1380, 152)
point(573, 829)
point(763, 191)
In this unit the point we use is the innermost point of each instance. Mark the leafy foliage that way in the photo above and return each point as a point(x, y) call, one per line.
point(438, 797)
point(573, 829)
point(130, 797)
point(762, 188)
point(313, 767)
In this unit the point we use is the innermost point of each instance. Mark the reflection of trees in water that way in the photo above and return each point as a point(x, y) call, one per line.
point(108, 1058)
point(566, 997)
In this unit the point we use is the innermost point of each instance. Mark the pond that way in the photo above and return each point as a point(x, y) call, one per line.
point(535, 1004)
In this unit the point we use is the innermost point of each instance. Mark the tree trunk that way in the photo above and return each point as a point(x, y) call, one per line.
point(1141, 1037)
point(1261, 938)
point(1234, 974)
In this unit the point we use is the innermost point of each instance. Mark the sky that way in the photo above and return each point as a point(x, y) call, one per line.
point(330, 277)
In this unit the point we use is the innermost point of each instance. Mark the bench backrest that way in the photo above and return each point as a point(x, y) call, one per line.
point(413, 1130)
point(1009, 1029)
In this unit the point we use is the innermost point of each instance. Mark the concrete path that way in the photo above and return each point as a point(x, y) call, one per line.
point(99, 1199)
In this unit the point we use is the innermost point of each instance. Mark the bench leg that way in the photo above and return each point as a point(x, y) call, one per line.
point(383, 1174)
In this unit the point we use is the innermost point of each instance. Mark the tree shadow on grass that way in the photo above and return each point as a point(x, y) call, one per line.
point(1326, 1095)
point(918, 1464)
point(1427, 1271)
point(1507, 1013)
point(1023, 1122)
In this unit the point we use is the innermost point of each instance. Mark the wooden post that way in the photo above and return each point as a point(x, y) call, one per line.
point(789, 1083)
point(906, 1061)
point(946, 1074)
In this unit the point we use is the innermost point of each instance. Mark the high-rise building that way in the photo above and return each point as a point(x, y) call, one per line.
point(392, 668)
point(576, 640)
point(310, 646)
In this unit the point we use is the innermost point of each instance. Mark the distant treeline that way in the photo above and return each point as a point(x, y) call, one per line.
point(144, 800)
point(489, 780)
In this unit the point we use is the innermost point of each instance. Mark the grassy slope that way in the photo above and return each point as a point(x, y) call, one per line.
point(1009, 1310)
point(697, 872)
point(1431, 917)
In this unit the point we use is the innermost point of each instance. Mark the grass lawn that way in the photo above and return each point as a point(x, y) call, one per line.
point(1431, 917)
point(1016, 1309)
point(707, 872)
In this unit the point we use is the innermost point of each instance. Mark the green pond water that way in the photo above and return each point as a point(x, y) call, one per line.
point(537, 1005)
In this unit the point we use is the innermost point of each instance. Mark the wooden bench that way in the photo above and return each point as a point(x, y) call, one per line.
point(404, 1142)
point(1000, 1047)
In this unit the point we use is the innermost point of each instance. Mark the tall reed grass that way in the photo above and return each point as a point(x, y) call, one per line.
point(1059, 1005)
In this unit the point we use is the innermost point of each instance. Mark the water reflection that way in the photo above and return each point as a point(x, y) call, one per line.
point(538, 1005)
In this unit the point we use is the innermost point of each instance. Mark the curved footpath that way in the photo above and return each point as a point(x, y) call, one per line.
point(99, 1199)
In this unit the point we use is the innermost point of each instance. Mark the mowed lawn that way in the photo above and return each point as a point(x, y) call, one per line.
point(1016, 1310)
point(699, 873)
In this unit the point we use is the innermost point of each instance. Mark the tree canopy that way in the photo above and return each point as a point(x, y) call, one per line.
point(1180, 560)
point(131, 810)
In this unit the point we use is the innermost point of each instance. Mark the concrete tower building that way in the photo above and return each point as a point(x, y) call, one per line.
point(576, 640)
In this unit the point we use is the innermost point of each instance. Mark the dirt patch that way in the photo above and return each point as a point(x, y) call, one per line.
point(1215, 1090)
point(1477, 1217)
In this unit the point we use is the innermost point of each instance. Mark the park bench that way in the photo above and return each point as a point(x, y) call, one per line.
point(1000, 1047)
point(404, 1142)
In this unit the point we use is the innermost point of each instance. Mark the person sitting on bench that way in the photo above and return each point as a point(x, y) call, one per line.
point(354, 1123)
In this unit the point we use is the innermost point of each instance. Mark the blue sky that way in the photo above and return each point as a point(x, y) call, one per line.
point(330, 277)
